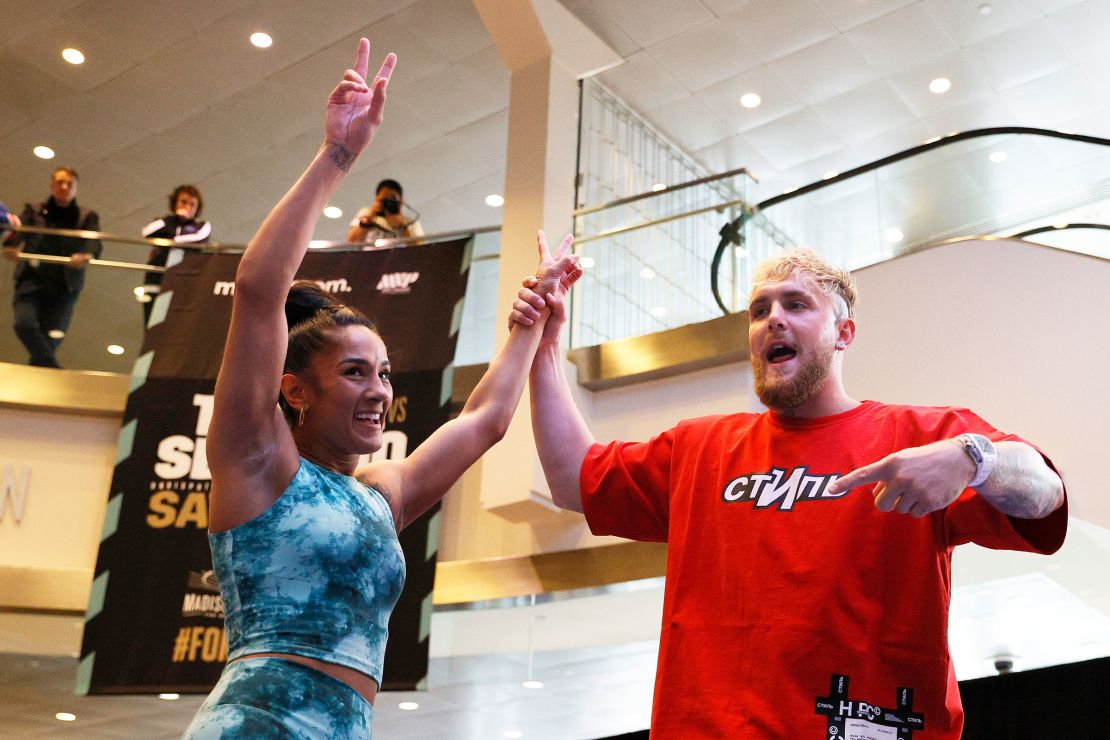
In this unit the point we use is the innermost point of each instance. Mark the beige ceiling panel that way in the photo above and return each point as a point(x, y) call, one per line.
point(1059, 97)
point(724, 99)
point(1083, 27)
point(732, 153)
point(791, 140)
point(451, 27)
point(904, 39)
point(824, 70)
point(29, 90)
point(690, 124)
point(593, 15)
point(650, 21)
point(848, 14)
point(704, 56)
point(966, 25)
point(775, 28)
point(912, 85)
point(643, 83)
point(864, 112)
point(1019, 55)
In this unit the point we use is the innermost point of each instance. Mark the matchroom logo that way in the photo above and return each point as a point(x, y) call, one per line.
point(393, 283)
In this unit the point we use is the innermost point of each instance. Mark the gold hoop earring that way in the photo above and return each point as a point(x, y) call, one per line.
point(300, 416)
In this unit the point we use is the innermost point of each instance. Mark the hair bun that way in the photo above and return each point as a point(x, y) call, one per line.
point(305, 300)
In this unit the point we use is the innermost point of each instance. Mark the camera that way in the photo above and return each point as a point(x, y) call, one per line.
point(391, 206)
point(1003, 665)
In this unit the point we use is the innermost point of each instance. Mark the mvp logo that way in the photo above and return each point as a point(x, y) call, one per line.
point(779, 489)
point(397, 282)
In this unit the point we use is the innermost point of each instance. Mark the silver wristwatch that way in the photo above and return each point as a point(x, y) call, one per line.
point(982, 453)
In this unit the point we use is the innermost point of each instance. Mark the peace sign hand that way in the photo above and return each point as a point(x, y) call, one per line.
point(355, 109)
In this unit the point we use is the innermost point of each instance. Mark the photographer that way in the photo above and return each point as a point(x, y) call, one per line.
point(385, 219)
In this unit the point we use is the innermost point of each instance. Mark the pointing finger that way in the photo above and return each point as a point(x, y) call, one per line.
point(872, 473)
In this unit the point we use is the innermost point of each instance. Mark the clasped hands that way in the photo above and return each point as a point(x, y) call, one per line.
point(557, 272)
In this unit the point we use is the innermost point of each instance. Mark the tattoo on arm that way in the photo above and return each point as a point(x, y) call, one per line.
point(340, 157)
point(1022, 492)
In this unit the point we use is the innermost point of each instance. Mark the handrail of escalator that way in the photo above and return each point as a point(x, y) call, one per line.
point(730, 232)
point(1058, 227)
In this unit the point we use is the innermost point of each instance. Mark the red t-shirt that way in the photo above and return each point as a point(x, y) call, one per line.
point(789, 613)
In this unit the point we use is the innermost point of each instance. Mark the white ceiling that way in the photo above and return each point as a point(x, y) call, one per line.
point(172, 92)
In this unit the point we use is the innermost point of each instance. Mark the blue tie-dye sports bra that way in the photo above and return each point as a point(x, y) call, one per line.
point(317, 574)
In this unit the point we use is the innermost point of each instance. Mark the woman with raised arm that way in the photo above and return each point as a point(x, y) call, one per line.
point(304, 545)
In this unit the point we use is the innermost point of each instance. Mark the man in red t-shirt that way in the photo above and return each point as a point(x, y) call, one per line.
point(796, 604)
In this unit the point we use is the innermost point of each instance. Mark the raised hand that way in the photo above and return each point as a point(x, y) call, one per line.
point(355, 109)
point(917, 480)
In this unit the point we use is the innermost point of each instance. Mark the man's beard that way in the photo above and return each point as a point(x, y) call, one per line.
point(789, 394)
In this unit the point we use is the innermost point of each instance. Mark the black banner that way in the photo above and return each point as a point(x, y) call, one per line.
point(155, 617)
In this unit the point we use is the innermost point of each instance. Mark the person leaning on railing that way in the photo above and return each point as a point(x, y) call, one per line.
point(46, 293)
point(181, 225)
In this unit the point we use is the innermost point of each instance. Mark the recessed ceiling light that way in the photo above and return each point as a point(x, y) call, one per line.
point(532, 684)
point(940, 85)
point(750, 100)
point(59, 334)
point(73, 56)
point(893, 234)
point(985, 9)
point(658, 311)
point(740, 251)
point(169, 697)
point(408, 706)
point(829, 175)
point(261, 40)
point(65, 716)
point(586, 262)
point(333, 211)
point(495, 200)
point(998, 157)
point(647, 273)
point(1059, 226)
point(43, 152)
point(115, 349)
point(658, 186)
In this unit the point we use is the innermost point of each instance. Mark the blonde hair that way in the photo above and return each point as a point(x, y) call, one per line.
point(832, 280)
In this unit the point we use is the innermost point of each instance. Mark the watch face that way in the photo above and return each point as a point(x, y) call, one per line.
point(973, 450)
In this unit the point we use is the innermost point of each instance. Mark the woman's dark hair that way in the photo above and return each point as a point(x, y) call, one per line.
point(391, 184)
point(191, 190)
point(311, 313)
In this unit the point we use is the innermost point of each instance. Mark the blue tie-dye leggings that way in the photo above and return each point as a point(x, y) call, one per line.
point(275, 698)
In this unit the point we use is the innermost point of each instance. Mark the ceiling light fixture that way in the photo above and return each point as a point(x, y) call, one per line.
point(740, 250)
point(658, 186)
point(115, 349)
point(73, 56)
point(65, 716)
point(750, 100)
point(940, 85)
point(43, 152)
point(333, 211)
point(532, 684)
point(647, 273)
point(169, 697)
point(985, 9)
point(262, 40)
point(495, 200)
point(893, 234)
point(998, 157)
point(408, 706)
point(586, 262)
point(658, 311)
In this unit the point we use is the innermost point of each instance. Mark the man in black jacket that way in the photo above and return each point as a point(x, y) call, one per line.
point(46, 292)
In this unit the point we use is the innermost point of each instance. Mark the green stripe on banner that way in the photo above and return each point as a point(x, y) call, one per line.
point(84, 673)
point(425, 617)
point(96, 596)
point(160, 308)
point(111, 516)
point(126, 441)
point(140, 370)
point(446, 384)
point(468, 253)
point(456, 317)
point(433, 537)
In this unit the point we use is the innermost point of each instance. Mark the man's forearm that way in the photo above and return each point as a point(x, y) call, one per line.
point(1021, 484)
point(562, 437)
